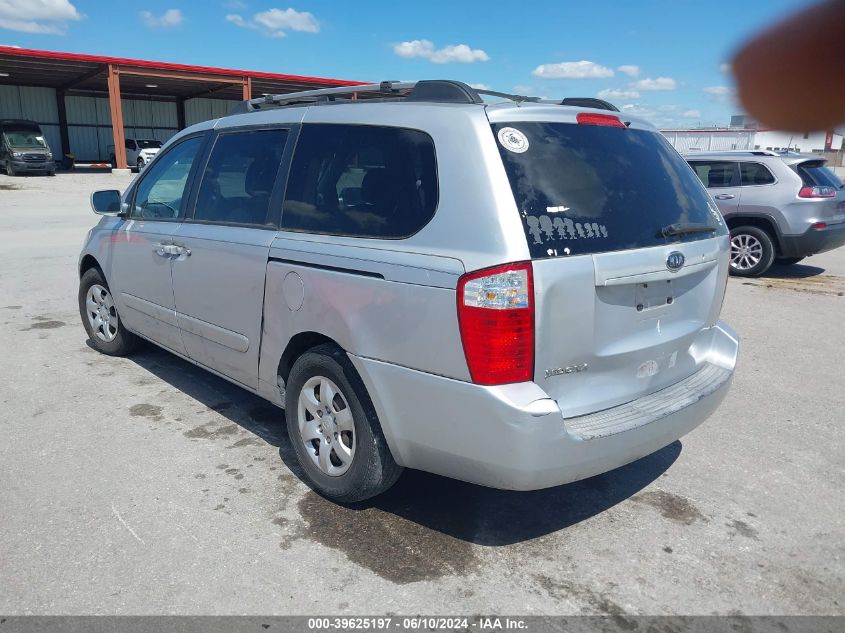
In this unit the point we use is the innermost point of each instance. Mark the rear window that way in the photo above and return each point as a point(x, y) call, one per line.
point(816, 174)
point(360, 180)
point(590, 189)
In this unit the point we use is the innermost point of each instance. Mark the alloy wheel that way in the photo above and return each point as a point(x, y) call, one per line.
point(746, 252)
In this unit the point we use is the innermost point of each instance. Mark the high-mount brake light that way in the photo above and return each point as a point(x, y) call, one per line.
point(496, 318)
point(817, 192)
point(591, 118)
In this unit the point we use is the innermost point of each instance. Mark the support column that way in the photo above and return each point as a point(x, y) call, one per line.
point(247, 92)
point(180, 114)
point(116, 117)
point(63, 132)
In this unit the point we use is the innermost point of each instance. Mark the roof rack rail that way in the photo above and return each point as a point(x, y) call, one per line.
point(426, 90)
point(437, 90)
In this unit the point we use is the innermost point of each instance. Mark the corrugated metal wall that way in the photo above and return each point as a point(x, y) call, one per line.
point(34, 104)
point(197, 110)
point(89, 118)
point(709, 141)
point(90, 130)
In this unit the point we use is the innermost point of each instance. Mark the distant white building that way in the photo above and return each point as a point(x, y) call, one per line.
point(745, 135)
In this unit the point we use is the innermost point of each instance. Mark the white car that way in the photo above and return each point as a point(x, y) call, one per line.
point(139, 152)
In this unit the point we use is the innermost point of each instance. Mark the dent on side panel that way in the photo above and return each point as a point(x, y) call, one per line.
point(401, 323)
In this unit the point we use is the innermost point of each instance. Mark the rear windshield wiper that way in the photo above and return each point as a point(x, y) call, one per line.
point(685, 229)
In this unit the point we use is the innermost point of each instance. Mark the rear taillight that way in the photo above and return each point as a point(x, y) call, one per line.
point(589, 118)
point(496, 317)
point(817, 192)
point(819, 225)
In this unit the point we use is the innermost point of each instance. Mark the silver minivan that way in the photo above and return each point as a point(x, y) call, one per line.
point(505, 290)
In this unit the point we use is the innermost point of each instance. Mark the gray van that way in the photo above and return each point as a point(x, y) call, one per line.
point(24, 149)
point(504, 290)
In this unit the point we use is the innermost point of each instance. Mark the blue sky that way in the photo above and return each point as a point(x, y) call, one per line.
point(663, 59)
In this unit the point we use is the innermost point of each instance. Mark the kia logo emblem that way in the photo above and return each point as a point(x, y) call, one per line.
point(675, 260)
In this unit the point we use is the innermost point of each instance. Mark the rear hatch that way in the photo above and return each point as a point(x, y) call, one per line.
point(629, 255)
point(817, 175)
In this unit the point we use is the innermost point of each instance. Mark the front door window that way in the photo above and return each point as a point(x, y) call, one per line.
point(160, 194)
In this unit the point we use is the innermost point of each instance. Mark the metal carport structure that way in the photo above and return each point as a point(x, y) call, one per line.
point(83, 101)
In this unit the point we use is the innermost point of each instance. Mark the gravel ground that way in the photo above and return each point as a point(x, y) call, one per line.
point(144, 485)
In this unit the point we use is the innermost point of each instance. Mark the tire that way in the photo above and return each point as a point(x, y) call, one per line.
point(752, 251)
point(787, 261)
point(112, 338)
point(140, 165)
point(10, 171)
point(367, 468)
point(51, 173)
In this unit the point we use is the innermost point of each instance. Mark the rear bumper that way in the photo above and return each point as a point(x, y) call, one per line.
point(814, 241)
point(515, 437)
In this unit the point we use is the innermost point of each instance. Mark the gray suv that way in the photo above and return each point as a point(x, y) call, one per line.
point(518, 294)
point(780, 207)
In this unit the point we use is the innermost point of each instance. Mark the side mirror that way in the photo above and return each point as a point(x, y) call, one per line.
point(106, 202)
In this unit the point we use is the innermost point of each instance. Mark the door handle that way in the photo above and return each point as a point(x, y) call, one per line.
point(179, 249)
point(166, 250)
point(725, 196)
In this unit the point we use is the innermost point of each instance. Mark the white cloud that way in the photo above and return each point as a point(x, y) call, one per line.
point(638, 109)
point(661, 83)
point(168, 19)
point(572, 70)
point(667, 108)
point(523, 89)
point(37, 16)
point(480, 86)
point(236, 5)
point(425, 49)
point(725, 69)
point(615, 93)
point(630, 70)
point(719, 90)
point(692, 114)
point(277, 22)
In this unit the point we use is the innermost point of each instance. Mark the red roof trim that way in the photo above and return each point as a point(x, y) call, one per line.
point(141, 63)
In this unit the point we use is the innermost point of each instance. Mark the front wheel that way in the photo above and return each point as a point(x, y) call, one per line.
point(752, 251)
point(100, 318)
point(10, 171)
point(140, 164)
point(334, 428)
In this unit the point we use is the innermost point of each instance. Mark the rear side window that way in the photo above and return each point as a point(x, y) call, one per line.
point(755, 174)
point(239, 177)
point(815, 173)
point(716, 173)
point(591, 189)
point(363, 181)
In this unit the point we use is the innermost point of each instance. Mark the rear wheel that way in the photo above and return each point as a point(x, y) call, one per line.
point(752, 251)
point(334, 428)
point(100, 318)
point(787, 261)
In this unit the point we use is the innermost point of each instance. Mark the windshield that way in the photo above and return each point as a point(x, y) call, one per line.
point(147, 144)
point(25, 138)
point(590, 189)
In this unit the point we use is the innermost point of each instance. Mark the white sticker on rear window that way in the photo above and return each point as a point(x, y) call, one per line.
point(513, 140)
